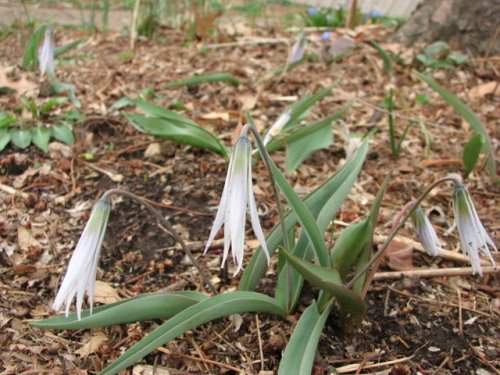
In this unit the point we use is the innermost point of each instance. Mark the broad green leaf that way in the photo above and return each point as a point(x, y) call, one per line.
point(384, 55)
point(471, 152)
point(30, 57)
point(63, 133)
point(183, 133)
point(349, 245)
point(192, 317)
point(152, 110)
point(148, 306)
point(352, 307)
point(314, 202)
point(67, 47)
point(40, 137)
point(20, 137)
point(304, 216)
point(299, 150)
point(345, 179)
point(202, 78)
point(468, 116)
point(4, 138)
point(298, 357)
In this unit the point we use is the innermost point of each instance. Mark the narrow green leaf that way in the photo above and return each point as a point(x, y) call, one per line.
point(68, 47)
point(30, 56)
point(314, 202)
point(20, 137)
point(160, 305)
point(304, 216)
point(4, 138)
point(344, 179)
point(468, 116)
point(184, 133)
point(152, 110)
point(384, 55)
point(471, 152)
point(6, 120)
point(40, 137)
point(63, 133)
point(352, 307)
point(192, 317)
point(300, 351)
point(202, 78)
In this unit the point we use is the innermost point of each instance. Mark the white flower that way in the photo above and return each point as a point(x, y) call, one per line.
point(237, 194)
point(473, 236)
point(46, 54)
point(82, 267)
point(425, 232)
point(298, 49)
point(278, 126)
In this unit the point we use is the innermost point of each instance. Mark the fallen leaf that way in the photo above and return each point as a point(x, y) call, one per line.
point(105, 293)
point(247, 102)
point(398, 256)
point(92, 345)
point(21, 86)
point(149, 370)
point(216, 116)
point(25, 239)
point(480, 91)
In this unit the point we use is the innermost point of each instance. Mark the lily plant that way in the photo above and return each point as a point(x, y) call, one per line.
point(340, 274)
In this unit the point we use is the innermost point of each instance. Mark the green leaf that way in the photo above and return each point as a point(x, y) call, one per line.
point(4, 138)
point(468, 116)
point(161, 305)
point(471, 152)
point(202, 78)
point(69, 89)
point(384, 55)
point(30, 57)
point(67, 47)
point(20, 137)
point(63, 133)
point(40, 137)
point(352, 307)
point(299, 150)
point(6, 120)
point(349, 245)
point(304, 216)
point(176, 131)
point(298, 358)
point(152, 110)
point(344, 180)
point(314, 202)
point(192, 317)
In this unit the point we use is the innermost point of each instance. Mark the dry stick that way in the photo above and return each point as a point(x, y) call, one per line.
point(169, 227)
point(460, 318)
point(245, 42)
point(434, 272)
point(205, 360)
point(391, 235)
point(483, 359)
point(261, 350)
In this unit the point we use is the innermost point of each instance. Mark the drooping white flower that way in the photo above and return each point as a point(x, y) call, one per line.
point(236, 196)
point(473, 236)
point(425, 232)
point(278, 126)
point(46, 53)
point(82, 267)
point(298, 49)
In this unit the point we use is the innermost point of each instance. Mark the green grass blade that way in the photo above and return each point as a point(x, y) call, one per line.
point(192, 317)
point(202, 78)
point(68, 47)
point(298, 357)
point(161, 305)
point(30, 56)
point(388, 66)
point(471, 152)
point(468, 116)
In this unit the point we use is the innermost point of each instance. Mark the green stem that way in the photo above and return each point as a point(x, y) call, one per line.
point(267, 161)
point(400, 225)
point(169, 227)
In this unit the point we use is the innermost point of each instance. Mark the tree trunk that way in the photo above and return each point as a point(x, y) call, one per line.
point(471, 25)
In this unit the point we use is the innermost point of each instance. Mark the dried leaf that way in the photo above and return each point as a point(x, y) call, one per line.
point(92, 345)
point(105, 293)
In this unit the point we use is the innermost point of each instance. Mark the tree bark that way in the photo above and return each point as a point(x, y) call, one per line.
point(471, 25)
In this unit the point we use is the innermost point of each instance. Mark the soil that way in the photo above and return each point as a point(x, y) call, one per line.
point(441, 325)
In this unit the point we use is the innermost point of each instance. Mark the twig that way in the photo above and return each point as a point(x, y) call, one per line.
point(206, 360)
point(12, 191)
point(353, 367)
point(414, 296)
point(435, 272)
point(245, 42)
point(261, 351)
point(460, 318)
point(481, 357)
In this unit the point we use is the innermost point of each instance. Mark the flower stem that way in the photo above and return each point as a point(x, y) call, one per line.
point(267, 161)
point(164, 222)
point(400, 225)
